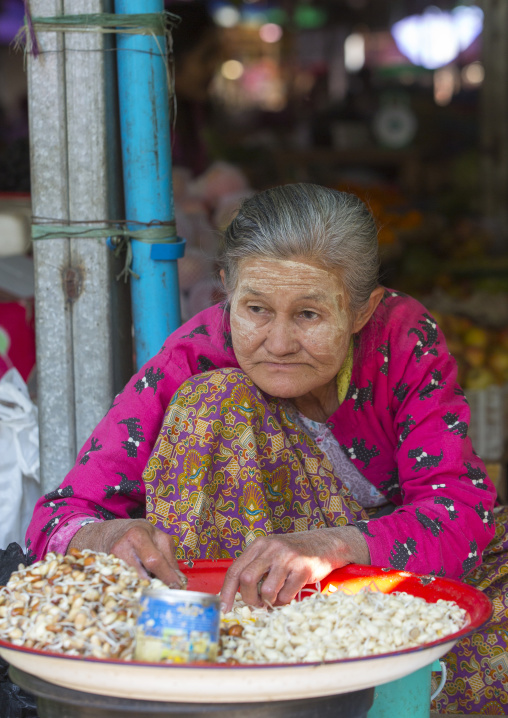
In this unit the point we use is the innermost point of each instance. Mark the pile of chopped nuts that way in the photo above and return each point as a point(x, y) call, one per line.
point(324, 627)
point(81, 604)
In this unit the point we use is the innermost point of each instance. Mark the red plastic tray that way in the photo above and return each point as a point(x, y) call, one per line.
point(208, 576)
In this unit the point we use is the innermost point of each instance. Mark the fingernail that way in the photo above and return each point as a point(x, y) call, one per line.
point(183, 579)
point(223, 607)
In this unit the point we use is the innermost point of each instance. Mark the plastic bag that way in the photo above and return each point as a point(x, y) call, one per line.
point(14, 701)
point(19, 458)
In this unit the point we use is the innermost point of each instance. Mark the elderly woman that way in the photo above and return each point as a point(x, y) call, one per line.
point(311, 421)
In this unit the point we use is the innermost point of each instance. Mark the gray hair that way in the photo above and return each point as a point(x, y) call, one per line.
point(334, 229)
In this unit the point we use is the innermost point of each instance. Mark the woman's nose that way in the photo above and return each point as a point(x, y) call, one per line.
point(280, 339)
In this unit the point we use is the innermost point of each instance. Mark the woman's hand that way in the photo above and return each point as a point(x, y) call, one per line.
point(138, 543)
point(274, 568)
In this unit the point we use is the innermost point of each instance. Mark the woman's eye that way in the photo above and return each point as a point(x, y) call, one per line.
point(255, 309)
point(307, 314)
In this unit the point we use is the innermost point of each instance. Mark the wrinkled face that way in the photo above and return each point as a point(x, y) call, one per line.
point(290, 326)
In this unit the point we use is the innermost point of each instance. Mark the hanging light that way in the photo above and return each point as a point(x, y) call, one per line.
point(270, 32)
point(473, 74)
point(436, 37)
point(226, 16)
point(232, 69)
point(354, 52)
point(446, 84)
point(309, 17)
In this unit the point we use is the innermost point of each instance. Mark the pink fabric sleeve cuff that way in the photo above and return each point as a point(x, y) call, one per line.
point(64, 534)
point(379, 549)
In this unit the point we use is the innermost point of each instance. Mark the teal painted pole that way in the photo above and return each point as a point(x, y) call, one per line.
point(146, 154)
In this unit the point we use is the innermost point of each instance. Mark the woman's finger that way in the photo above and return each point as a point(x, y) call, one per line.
point(292, 585)
point(164, 542)
point(137, 547)
point(125, 551)
point(232, 579)
point(262, 578)
point(155, 562)
point(272, 585)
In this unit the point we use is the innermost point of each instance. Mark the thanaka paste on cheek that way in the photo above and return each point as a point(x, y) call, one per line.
point(242, 328)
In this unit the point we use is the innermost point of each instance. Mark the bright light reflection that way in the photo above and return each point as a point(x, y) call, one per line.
point(473, 74)
point(436, 38)
point(226, 16)
point(270, 32)
point(445, 85)
point(232, 69)
point(354, 52)
point(352, 585)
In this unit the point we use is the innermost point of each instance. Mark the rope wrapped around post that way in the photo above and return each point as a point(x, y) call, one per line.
point(117, 233)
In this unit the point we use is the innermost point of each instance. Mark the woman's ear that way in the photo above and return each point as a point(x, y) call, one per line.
point(222, 277)
point(364, 316)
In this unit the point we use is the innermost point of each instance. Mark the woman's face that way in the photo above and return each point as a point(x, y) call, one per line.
point(290, 325)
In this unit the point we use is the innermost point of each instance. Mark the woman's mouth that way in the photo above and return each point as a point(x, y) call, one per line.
point(282, 366)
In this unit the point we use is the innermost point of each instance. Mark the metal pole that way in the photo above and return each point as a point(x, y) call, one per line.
point(49, 191)
point(146, 150)
point(68, 104)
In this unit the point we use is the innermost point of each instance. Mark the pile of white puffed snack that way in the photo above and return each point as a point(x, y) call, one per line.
point(87, 603)
point(328, 627)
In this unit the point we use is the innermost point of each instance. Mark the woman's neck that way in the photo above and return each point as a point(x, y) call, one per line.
point(318, 405)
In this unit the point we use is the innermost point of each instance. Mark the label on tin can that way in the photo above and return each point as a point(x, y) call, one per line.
point(177, 626)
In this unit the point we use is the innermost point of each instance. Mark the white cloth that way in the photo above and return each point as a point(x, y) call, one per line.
point(19, 458)
point(364, 492)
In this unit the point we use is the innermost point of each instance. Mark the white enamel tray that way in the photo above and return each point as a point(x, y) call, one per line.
point(220, 683)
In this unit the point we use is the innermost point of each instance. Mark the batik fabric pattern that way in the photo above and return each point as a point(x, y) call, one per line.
point(477, 667)
point(230, 465)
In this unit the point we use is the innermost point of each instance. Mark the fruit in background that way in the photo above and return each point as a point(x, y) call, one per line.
point(479, 378)
point(439, 318)
point(498, 362)
point(386, 235)
point(503, 338)
point(454, 345)
point(481, 353)
point(476, 337)
point(460, 325)
point(387, 206)
point(476, 357)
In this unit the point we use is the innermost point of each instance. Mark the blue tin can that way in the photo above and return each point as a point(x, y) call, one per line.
point(177, 626)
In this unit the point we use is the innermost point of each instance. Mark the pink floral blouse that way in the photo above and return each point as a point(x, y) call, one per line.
point(403, 424)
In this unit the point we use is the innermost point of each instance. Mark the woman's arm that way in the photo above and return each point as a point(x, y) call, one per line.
point(105, 484)
point(446, 519)
point(274, 568)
